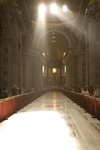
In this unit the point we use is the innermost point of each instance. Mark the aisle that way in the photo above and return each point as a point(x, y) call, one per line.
point(51, 122)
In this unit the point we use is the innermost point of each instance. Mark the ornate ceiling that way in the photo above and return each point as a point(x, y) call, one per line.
point(31, 6)
point(54, 45)
point(54, 41)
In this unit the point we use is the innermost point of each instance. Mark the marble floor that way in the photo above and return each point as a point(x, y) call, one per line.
point(51, 122)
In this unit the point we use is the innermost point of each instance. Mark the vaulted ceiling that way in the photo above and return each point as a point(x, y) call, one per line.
point(31, 6)
point(54, 46)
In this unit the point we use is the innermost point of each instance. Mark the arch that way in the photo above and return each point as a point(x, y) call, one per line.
point(54, 31)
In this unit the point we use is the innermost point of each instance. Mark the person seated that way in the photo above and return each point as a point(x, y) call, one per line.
point(15, 90)
point(4, 92)
point(97, 92)
point(85, 91)
point(91, 90)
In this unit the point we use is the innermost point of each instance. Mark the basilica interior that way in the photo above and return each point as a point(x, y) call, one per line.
point(44, 48)
point(49, 47)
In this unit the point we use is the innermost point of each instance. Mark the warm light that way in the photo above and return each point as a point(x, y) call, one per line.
point(53, 8)
point(65, 69)
point(54, 104)
point(65, 8)
point(42, 10)
point(42, 69)
point(44, 54)
point(64, 54)
point(53, 37)
point(53, 33)
point(54, 70)
point(53, 41)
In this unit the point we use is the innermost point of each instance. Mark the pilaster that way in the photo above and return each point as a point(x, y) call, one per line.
point(14, 46)
point(70, 73)
point(93, 14)
point(93, 55)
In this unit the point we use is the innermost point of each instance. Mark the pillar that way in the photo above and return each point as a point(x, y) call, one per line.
point(14, 51)
point(70, 73)
point(93, 58)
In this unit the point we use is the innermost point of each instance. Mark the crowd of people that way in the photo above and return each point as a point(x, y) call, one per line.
point(85, 90)
point(89, 91)
point(15, 91)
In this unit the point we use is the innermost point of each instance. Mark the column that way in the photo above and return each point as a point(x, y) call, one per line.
point(60, 76)
point(87, 57)
point(98, 49)
point(82, 70)
point(28, 73)
point(1, 78)
point(37, 67)
point(70, 73)
point(25, 63)
point(20, 59)
point(93, 55)
point(14, 51)
point(47, 75)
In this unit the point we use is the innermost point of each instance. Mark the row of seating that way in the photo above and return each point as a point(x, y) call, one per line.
point(89, 103)
point(10, 105)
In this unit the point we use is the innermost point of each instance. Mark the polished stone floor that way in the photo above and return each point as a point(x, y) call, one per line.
point(51, 122)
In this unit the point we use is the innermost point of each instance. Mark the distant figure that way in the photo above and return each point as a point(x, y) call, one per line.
point(85, 91)
point(15, 90)
point(91, 90)
point(4, 92)
point(19, 90)
point(97, 92)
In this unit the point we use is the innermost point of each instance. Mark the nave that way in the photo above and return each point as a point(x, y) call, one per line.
point(51, 122)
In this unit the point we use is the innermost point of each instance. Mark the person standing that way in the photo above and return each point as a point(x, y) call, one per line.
point(97, 92)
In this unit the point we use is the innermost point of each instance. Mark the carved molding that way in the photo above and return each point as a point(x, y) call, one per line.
point(93, 11)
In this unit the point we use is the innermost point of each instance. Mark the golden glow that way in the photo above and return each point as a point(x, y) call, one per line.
point(64, 54)
point(53, 41)
point(42, 69)
point(44, 54)
point(53, 37)
point(53, 33)
point(54, 104)
point(65, 69)
point(13, 2)
point(54, 70)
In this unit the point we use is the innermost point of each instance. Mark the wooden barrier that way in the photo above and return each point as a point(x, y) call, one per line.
point(97, 109)
point(90, 104)
point(10, 105)
point(1, 110)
